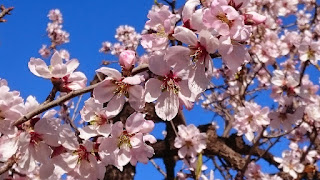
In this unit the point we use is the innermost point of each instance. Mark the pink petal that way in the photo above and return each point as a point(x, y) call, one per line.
point(167, 105)
point(72, 65)
point(56, 59)
point(87, 132)
point(39, 68)
point(189, 9)
point(124, 157)
point(104, 91)
point(59, 70)
point(133, 80)
point(185, 35)
point(153, 89)
point(134, 122)
point(105, 129)
point(115, 105)
point(117, 129)
point(178, 56)
point(78, 81)
point(136, 98)
point(110, 72)
point(211, 43)
point(157, 65)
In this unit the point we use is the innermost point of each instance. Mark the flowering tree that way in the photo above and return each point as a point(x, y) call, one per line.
point(222, 55)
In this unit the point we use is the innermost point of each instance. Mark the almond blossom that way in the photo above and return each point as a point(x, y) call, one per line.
point(290, 163)
point(115, 89)
point(309, 50)
point(57, 68)
point(220, 16)
point(11, 107)
point(94, 113)
point(189, 141)
point(250, 118)
point(161, 25)
point(127, 59)
point(79, 162)
point(170, 88)
point(127, 142)
point(199, 50)
point(59, 73)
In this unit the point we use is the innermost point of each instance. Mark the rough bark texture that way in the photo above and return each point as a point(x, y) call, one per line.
point(113, 173)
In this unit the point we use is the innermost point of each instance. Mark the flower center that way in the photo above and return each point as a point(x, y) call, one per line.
point(170, 83)
point(82, 153)
point(124, 140)
point(189, 144)
point(161, 32)
point(99, 119)
point(122, 88)
point(198, 53)
point(222, 17)
point(35, 138)
point(311, 53)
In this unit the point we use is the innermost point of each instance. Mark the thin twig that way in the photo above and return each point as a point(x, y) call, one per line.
point(256, 144)
point(158, 168)
point(68, 120)
point(7, 165)
point(4, 12)
point(43, 107)
point(174, 128)
point(76, 108)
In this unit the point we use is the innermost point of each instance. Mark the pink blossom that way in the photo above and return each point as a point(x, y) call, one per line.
point(61, 74)
point(254, 18)
point(250, 119)
point(189, 141)
point(64, 54)
point(79, 162)
point(284, 119)
point(220, 16)
point(290, 163)
point(199, 50)
point(106, 47)
point(94, 113)
point(309, 50)
point(57, 68)
point(170, 89)
point(192, 17)
point(74, 81)
point(233, 53)
point(284, 82)
point(115, 89)
point(11, 107)
point(127, 143)
point(161, 22)
point(55, 15)
point(253, 172)
point(127, 59)
point(128, 37)
point(44, 51)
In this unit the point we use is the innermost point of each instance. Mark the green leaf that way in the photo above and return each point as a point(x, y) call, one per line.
point(199, 166)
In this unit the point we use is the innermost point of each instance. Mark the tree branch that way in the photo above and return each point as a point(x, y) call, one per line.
point(4, 12)
point(43, 107)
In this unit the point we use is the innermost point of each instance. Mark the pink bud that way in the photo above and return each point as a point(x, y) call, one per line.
point(254, 18)
point(127, 59)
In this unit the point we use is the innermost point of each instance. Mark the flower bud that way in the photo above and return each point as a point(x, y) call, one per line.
point(127, 59)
